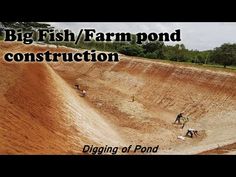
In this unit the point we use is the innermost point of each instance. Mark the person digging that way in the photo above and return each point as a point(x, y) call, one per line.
point(83, 93)
point(132, 98)
point(191, 132)
point(77, 87)
point(179, 116)
point(185, 120)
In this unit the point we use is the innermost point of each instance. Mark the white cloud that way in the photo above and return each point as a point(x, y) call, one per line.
point(200, 36)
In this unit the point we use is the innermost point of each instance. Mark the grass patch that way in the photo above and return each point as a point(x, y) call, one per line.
point(219, 67)
point(213, 67)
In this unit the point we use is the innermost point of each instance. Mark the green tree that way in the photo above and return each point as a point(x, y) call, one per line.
point(132, 50)
point(200, 59)
point(177, 53)
point(154, 49)
point(25, 25)
point(224, 55)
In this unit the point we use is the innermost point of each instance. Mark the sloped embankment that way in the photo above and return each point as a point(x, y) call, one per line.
point(41, 114)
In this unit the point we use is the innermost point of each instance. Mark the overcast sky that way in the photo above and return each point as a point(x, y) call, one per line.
point(200, 36)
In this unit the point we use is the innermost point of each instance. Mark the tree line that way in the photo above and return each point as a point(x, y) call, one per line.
point(224, 55)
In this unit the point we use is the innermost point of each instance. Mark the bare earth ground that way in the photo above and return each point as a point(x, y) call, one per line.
point(41, 112)
point(226, 149)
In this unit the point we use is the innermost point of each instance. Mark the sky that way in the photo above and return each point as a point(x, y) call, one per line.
point(195, 36)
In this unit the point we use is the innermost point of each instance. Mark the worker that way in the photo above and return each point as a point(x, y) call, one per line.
point(132, 98)
point(179, 116)
point(77, 86)
point(83, 94)
point(185, 120)
point(191, 132)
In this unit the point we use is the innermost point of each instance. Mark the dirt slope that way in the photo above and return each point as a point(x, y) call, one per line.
point(40, 113)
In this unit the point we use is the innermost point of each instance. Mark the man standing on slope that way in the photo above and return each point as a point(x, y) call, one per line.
point(185, 120)
point(179, 116)
point(77, 86)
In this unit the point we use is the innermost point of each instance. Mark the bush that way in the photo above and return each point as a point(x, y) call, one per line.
point(131, 50)
point(151, 55)
point(173, 59)
point(151, 47)
point(224, 55)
